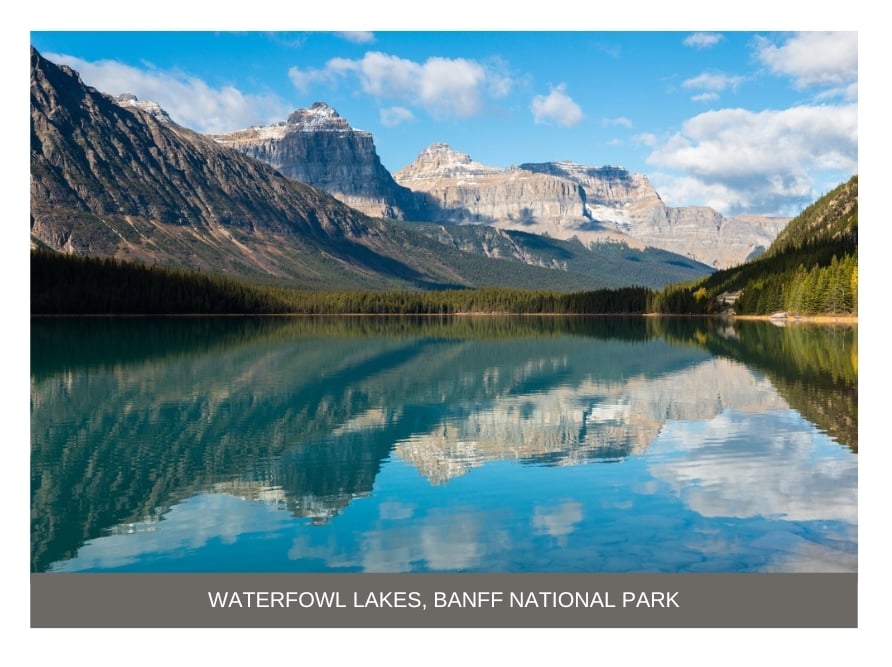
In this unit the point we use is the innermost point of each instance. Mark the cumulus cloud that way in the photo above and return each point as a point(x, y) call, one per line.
point(703, 40)
point(393, 116)
point(556, 107)
point(764, 162)
point(442, 86)
point(190, 101)
point(813, 58)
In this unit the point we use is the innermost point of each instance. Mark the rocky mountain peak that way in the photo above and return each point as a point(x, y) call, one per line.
point(152, 108)
point(440, 160)
point(443, 153)
point(318, 118)
point(319, 147)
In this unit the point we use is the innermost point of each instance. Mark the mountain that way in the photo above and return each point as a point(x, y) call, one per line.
point(116, 177)
point(317, 146)
point(627, 202)
point(811, 268)
point(112, 179)
point(831, 219)
point(593, 204)
point(562, 200)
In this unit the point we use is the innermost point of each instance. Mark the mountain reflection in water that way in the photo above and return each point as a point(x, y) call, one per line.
point(464, 444)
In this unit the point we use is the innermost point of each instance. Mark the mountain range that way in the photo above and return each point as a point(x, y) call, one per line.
point(307, 203)
point(562, 200)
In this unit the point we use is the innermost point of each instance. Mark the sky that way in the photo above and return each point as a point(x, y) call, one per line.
point(745, 122)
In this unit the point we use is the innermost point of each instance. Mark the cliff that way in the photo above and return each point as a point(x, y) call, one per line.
point(318, 147)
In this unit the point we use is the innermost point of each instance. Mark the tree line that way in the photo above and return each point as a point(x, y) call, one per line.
point(820, 277)
point(66, 284)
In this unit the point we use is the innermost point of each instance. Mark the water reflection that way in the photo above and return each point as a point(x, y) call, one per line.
point(399, 445)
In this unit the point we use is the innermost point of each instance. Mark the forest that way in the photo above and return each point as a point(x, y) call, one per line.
point(810, 269)
point(71, 285)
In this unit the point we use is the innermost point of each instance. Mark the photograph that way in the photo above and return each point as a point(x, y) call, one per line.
point(444, 302)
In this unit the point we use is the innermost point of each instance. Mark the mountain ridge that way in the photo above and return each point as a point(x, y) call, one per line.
point(560, 199)
point(111, 178)
point(594, 204)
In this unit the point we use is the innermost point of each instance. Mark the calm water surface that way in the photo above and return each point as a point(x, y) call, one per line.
point(400, 445)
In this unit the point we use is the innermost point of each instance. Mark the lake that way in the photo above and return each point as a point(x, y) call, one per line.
point(467, 444)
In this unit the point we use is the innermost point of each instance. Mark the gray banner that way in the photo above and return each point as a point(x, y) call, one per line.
point(444, 600)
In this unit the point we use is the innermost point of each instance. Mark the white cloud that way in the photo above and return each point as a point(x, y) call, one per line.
point(393, 116)
point(781, 468)
point(621, 121)
point(190, 101)
point(358, 36)
point(764, 162)
point(849, 93)
point(499, 79)
point(559, 521)
point(703, 40)
point(813, 58)
point(452, 86)
point(645, 139)
point(557, 107)
point(303, 80)
point(441, 86)
point(713, 81)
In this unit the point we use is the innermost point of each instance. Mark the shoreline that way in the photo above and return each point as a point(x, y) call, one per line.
point(846, 319)
point(788, 319)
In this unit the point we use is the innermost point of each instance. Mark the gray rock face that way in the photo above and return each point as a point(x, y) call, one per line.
point(593, 204)
point(702, 232)
point(609, 186)
point(318, 147)
point(463, 191)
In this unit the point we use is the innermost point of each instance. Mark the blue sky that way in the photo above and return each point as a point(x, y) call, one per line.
point(746, 122)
